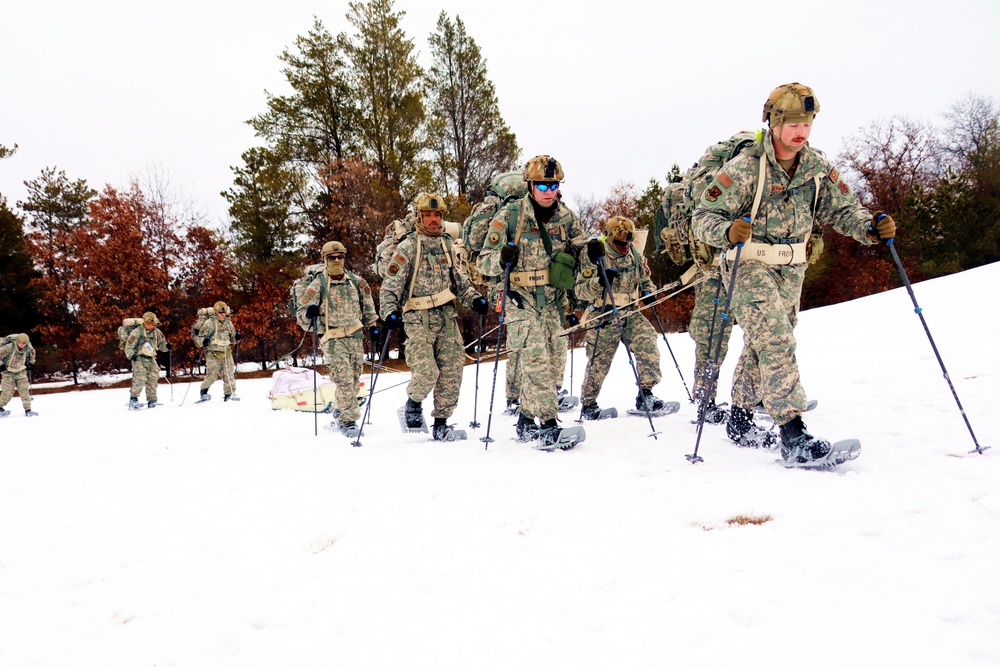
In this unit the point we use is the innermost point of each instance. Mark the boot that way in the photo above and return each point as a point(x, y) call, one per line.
point(526, 428)
point(513, 405)
point(133, 403)
point(715, 414)
point(441, 428)
point(350, 429)
point(152, 404)
point(204, 395)
point(592, 411)
point(4, 413)
point(30, 413)
point(646, 402)
point(413, 414)
point(230, 397)
point(548, 433)
point(800, 446)
point(742, 430)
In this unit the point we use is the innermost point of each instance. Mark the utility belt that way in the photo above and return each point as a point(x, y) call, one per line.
point(341, 332)
point(620, 298)
point(442, 298)
point(779, 254)
point(220, 342)
point(535, 278)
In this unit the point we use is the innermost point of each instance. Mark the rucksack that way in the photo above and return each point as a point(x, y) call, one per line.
point(673, 220)
point(394, 233)
point(297, 295)
point(502, 190)
point(128, 325)
point(204, 314)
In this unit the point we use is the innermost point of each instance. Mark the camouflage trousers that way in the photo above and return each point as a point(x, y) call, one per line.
point(20, 380)
point(533, 336)
point(766, 304)
point(602, 344)
point(145, 374)
point(220, 364)
point(706, 337)
point(513, 378)
point(345, 359)
point(436, 356)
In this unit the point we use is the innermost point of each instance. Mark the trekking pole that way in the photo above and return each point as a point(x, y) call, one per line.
point(713, 378)
point(659, 325)
point(170, 358)
point(188, 388)
point(590, 361)
point(479, 354)
point(502, 316)
point(624, 338)
point(371, 385)
point(315, 411)
point(920, 313)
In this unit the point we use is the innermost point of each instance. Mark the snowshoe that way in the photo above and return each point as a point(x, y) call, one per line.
point(448, 433)
point(714, 414)
point(565, 402)
point(594, 412)
point(230, 397)
point(30, 413)
point(669, 408)
point(4, 413)
point(801, 449)
point(513, 407)
point(741, 430)
point(203, 396)
point(152, 404)
point(349, 429)
point(553, 437)
point(134, 404)
point(411, 417)
point(527, 429)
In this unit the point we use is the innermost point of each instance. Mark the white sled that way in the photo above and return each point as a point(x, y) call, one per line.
point(292, 389)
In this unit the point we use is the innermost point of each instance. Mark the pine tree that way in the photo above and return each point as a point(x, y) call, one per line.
point(18, 291)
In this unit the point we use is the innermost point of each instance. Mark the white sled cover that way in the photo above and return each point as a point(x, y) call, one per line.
point(292, 389)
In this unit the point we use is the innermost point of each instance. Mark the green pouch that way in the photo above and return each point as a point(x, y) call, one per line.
point(562, 270)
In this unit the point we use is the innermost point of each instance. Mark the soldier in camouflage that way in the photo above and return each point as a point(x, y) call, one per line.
point(421, 287)
point(539, 238)
point(17, 356)
point(342, 317)
point(218, 336)
point(140, 349)
point(628, 274)
point(801, 186)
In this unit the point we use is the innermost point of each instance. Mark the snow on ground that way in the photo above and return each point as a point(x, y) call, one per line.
point(228, 534)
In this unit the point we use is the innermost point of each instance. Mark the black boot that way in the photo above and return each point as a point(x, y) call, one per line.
point(204, 395)
point(646, 402)
point(513, 405)
point(413, 414)
point(548, 433)
point(152, 404)
point(526, 428)
point(742, 430)
point(441, 428)
point(715, 414)
point(133, 403)
point(800, 446)
point(592, 411)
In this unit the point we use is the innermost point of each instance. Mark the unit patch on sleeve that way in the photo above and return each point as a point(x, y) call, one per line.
point(393, 269)
point(724, 179)
point(834, 174)
point(494, 238)
point(713, 193)
point(843, 187)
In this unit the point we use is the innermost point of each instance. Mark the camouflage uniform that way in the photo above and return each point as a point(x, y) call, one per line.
point(140, 349)
point(700, 329)
point(535, 315)
point(435, 351)
point(633, 279)
point(219, 353)
point(347, 310)
point(765, 297)
point(16, 374)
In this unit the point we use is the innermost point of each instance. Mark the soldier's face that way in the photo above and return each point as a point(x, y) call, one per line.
point(795, 135)
point(148, 326)
point(544, 198)
point(431, 220)
point(21, 346)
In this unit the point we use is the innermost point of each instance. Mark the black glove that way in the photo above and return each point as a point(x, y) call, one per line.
point(239, 336)
point(3, 367)
point(647, 298)
point(170, 346)
point(480, 305)
point(206, 341)
point(572, 319)
point(375, 332)
point(312, 312)
point(595, 250)
point(509, 254)
point(611, 273)
point(393, 321)
point(29, 366)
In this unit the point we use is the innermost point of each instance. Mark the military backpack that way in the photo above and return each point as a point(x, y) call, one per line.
point(502, 190)
point(129, 324)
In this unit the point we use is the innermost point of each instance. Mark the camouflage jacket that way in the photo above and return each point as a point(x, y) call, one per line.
point(633, 275)
point(348, 301)
point(786, 211)
point(16, 359)
point(437, 271)
point(142, 343)
point(222, 334)
point(564, 229)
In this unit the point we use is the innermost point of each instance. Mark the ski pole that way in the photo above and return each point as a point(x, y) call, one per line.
point(188, 388)
point(624, 337)
point(663, 333)
point(590, 362)
point(479, 354)
point(502, 316)
point(371, 387)
point(315, 396)
point(920, 313)
point(693, 457)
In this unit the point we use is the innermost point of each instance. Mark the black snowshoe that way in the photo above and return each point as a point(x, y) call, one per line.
point(742, 430)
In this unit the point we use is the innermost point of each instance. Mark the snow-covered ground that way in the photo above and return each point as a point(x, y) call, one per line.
point(230, 535)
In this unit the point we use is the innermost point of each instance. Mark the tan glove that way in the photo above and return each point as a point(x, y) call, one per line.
point(739, 231)
point(884, 227)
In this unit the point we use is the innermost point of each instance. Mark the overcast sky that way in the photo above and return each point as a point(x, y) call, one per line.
point(617, 91)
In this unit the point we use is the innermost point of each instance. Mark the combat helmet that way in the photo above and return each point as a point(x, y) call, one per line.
point(221, 307)
point(429, 201)
point(331, 247)
point(150, 317)
point(790, 103)
point(620, 229)
point(22, 339)
point(543, 168)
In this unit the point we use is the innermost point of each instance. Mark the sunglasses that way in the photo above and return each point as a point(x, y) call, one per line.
point(337, 256)
point(545, 187)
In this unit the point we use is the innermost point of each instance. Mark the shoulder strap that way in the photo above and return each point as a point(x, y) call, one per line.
point(761, 177)
point(413, 269)
point(357, 287)
point(520, 221)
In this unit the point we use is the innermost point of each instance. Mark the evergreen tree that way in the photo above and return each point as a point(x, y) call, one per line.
point(6, 152)
point(471, 141)
point(18, 294)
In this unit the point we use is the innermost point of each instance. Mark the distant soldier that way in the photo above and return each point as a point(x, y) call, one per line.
point(140, 349)
point(17, 356)
point(341, 303)
point(802, 187)
point(628, 274)
point(539, 238)
point(421, 287)
point(218, 336)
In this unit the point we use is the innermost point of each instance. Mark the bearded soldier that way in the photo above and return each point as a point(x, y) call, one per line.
point(780, 191)
point(218, 336)
point(140, 349)
point(628, 274)
point(421, 287)
point(17, 356)
point(342, 302)
point(537, 238)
